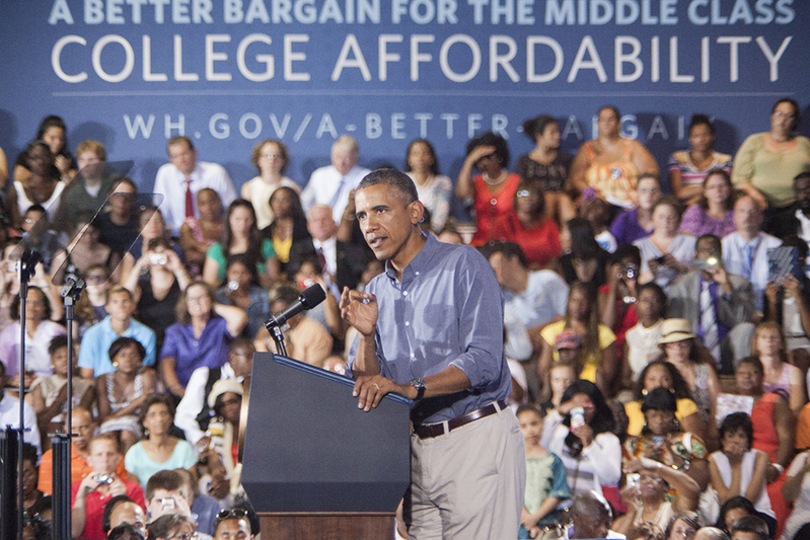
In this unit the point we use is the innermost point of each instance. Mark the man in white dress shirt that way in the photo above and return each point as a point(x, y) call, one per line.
point(745, 252)
point(10, 413)
point(331, 185)
point(177, 183)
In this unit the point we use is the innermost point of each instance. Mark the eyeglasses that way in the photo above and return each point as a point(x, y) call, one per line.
point(523, 193)
point(271, 156)
point(184, 536)
point(784, 114)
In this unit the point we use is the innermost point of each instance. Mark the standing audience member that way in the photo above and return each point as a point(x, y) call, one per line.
point(548, 166)
point(178, 181)
point(745, 252)
point(689, 169)
point(435, 189)
point(766, 163)
point(637, 223)
point(200, 337)
point(271, 158)
point(331, 185)
point(611, 164)
point(93, 355)
point(91, 494)
point(713, 213)
point(490, 193)
point(665, 254)
point(719, 305)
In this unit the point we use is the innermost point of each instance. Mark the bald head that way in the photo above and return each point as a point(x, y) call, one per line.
point(83, 426)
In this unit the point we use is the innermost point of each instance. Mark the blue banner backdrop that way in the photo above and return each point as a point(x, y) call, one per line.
point(228, 73)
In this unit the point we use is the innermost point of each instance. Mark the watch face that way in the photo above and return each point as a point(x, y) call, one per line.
point(418, 383)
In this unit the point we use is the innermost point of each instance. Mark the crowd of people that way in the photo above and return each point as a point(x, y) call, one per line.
point(658, 344)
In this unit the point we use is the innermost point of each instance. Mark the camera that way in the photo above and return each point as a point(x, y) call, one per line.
point(157, 258)
point(103, 479)
point(706, 264)
point(629, 271)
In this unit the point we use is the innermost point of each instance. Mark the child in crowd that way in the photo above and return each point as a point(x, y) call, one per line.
point(546, 486)
point(562, 374)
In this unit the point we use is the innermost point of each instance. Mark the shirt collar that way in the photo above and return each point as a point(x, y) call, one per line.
point(418, 264)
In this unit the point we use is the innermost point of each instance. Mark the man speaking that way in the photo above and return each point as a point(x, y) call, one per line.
point(431, 328)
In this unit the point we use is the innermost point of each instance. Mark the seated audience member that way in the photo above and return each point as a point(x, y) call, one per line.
point(598, 341)
point(662, 374)
point(177, 182)
point(561, 375)
point(94, 359)
point(780, 377)
point(53, 131)
point(307, 340)
point(200, 337)
point(787, 303)
point(745, 251)
point(527, 225)
point(750, 528)
point(331, 185)
point(693, 363)
point(126, 531)
point(40, 330)
point(151, 226)
point(43, 186)
point(157, 293)
point(171, 526)
point(583, 259)
point(342, 262)
point(641, 341)
point(87, 193)
point(39, 235)
point(796, 220)
point(219, 470)
point(797, 491)
point(31, 494)
point(435, 190)
point(682, 525)
point(773, 425)
point(305, 273)
point(532, 298)
point(91, 494)
point(492, 192)
point(84, 250)
point(198, 235)
point(122, 510)
point(590, 451)
point(10, 412)
point(718, 304)
point(739, 469)
point(119, 225)
point(289, 225)
point(84, 429)
point(637, 223)
point(546, 486)
point(714, 211)
point(240, 290)
point(193, 412)
point(168, 493)
point(233, 524)
point(203, 506)
point(611, 164)
point(732, 510)
point(122, 392)
point(548, 166)
point(666, 254)
point(710, 533)
point(271, 159)
point(591, 517)
point(241, 236)
point(597, 212)
point(48, 395)
point(689, 169)
point(159, 449)
point(766, 163)
point(90, 306)
point(617, 298)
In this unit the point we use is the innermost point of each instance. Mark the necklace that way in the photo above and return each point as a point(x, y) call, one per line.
point(494, 182)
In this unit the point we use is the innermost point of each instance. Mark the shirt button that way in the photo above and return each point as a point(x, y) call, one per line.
point(417, 273)
point(493, 202)
point(407, 323)
point(405, 293)
point(413, 356)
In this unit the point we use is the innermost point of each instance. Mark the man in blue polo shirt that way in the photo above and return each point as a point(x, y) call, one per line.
point(94, 357)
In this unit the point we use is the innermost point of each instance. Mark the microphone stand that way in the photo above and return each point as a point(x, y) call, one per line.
point(278, 337)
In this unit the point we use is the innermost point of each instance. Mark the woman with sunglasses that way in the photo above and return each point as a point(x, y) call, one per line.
point(171, 527)
point(490, 193)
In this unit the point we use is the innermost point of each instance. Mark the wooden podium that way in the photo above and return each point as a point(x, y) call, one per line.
point(314, 464)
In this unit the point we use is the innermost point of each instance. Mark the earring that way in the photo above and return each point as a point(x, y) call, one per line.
point(644, 392)
point(115, 364)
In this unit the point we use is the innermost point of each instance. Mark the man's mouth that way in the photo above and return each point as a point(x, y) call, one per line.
point(375, 241)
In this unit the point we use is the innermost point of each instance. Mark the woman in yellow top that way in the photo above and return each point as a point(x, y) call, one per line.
point(598, 341)
point(611, 164)
point(661, 373)
point(766, 163)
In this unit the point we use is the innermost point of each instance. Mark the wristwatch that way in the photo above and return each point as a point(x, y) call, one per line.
point(419, 384)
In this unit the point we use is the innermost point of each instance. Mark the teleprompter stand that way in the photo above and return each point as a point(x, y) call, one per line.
point(317, 466)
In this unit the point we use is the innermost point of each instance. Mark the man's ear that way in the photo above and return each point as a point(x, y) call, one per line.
point(417, 212)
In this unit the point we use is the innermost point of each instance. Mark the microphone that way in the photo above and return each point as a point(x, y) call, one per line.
point(310, 298)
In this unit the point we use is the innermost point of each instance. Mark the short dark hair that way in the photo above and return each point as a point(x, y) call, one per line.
point(49, 122)
point(398, 180)
point(240, 511)
point(610, 108)
point(123, 343)
point(537, 125)
point(108, 510)
point(491, 139)
point(690, 518)
point(797, 113)
point(752, 524)
point(167, 479)
point(506, 248)
point(165, 525)
point(57, 343)
point(714, 239)
point(735, 422)
point(626, 251)
point(701, 120)
point(752, 361)
point(125, 530)
point(530, 407)
point(737, 501)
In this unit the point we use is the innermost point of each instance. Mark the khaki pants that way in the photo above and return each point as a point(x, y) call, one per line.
point(469, 483)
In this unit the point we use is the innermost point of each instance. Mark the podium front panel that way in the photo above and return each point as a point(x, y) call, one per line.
point(309, 448)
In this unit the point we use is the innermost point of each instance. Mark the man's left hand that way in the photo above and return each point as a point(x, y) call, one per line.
point(369, 390)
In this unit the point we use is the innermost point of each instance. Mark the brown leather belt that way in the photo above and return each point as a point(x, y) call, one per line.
point(429, 431)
